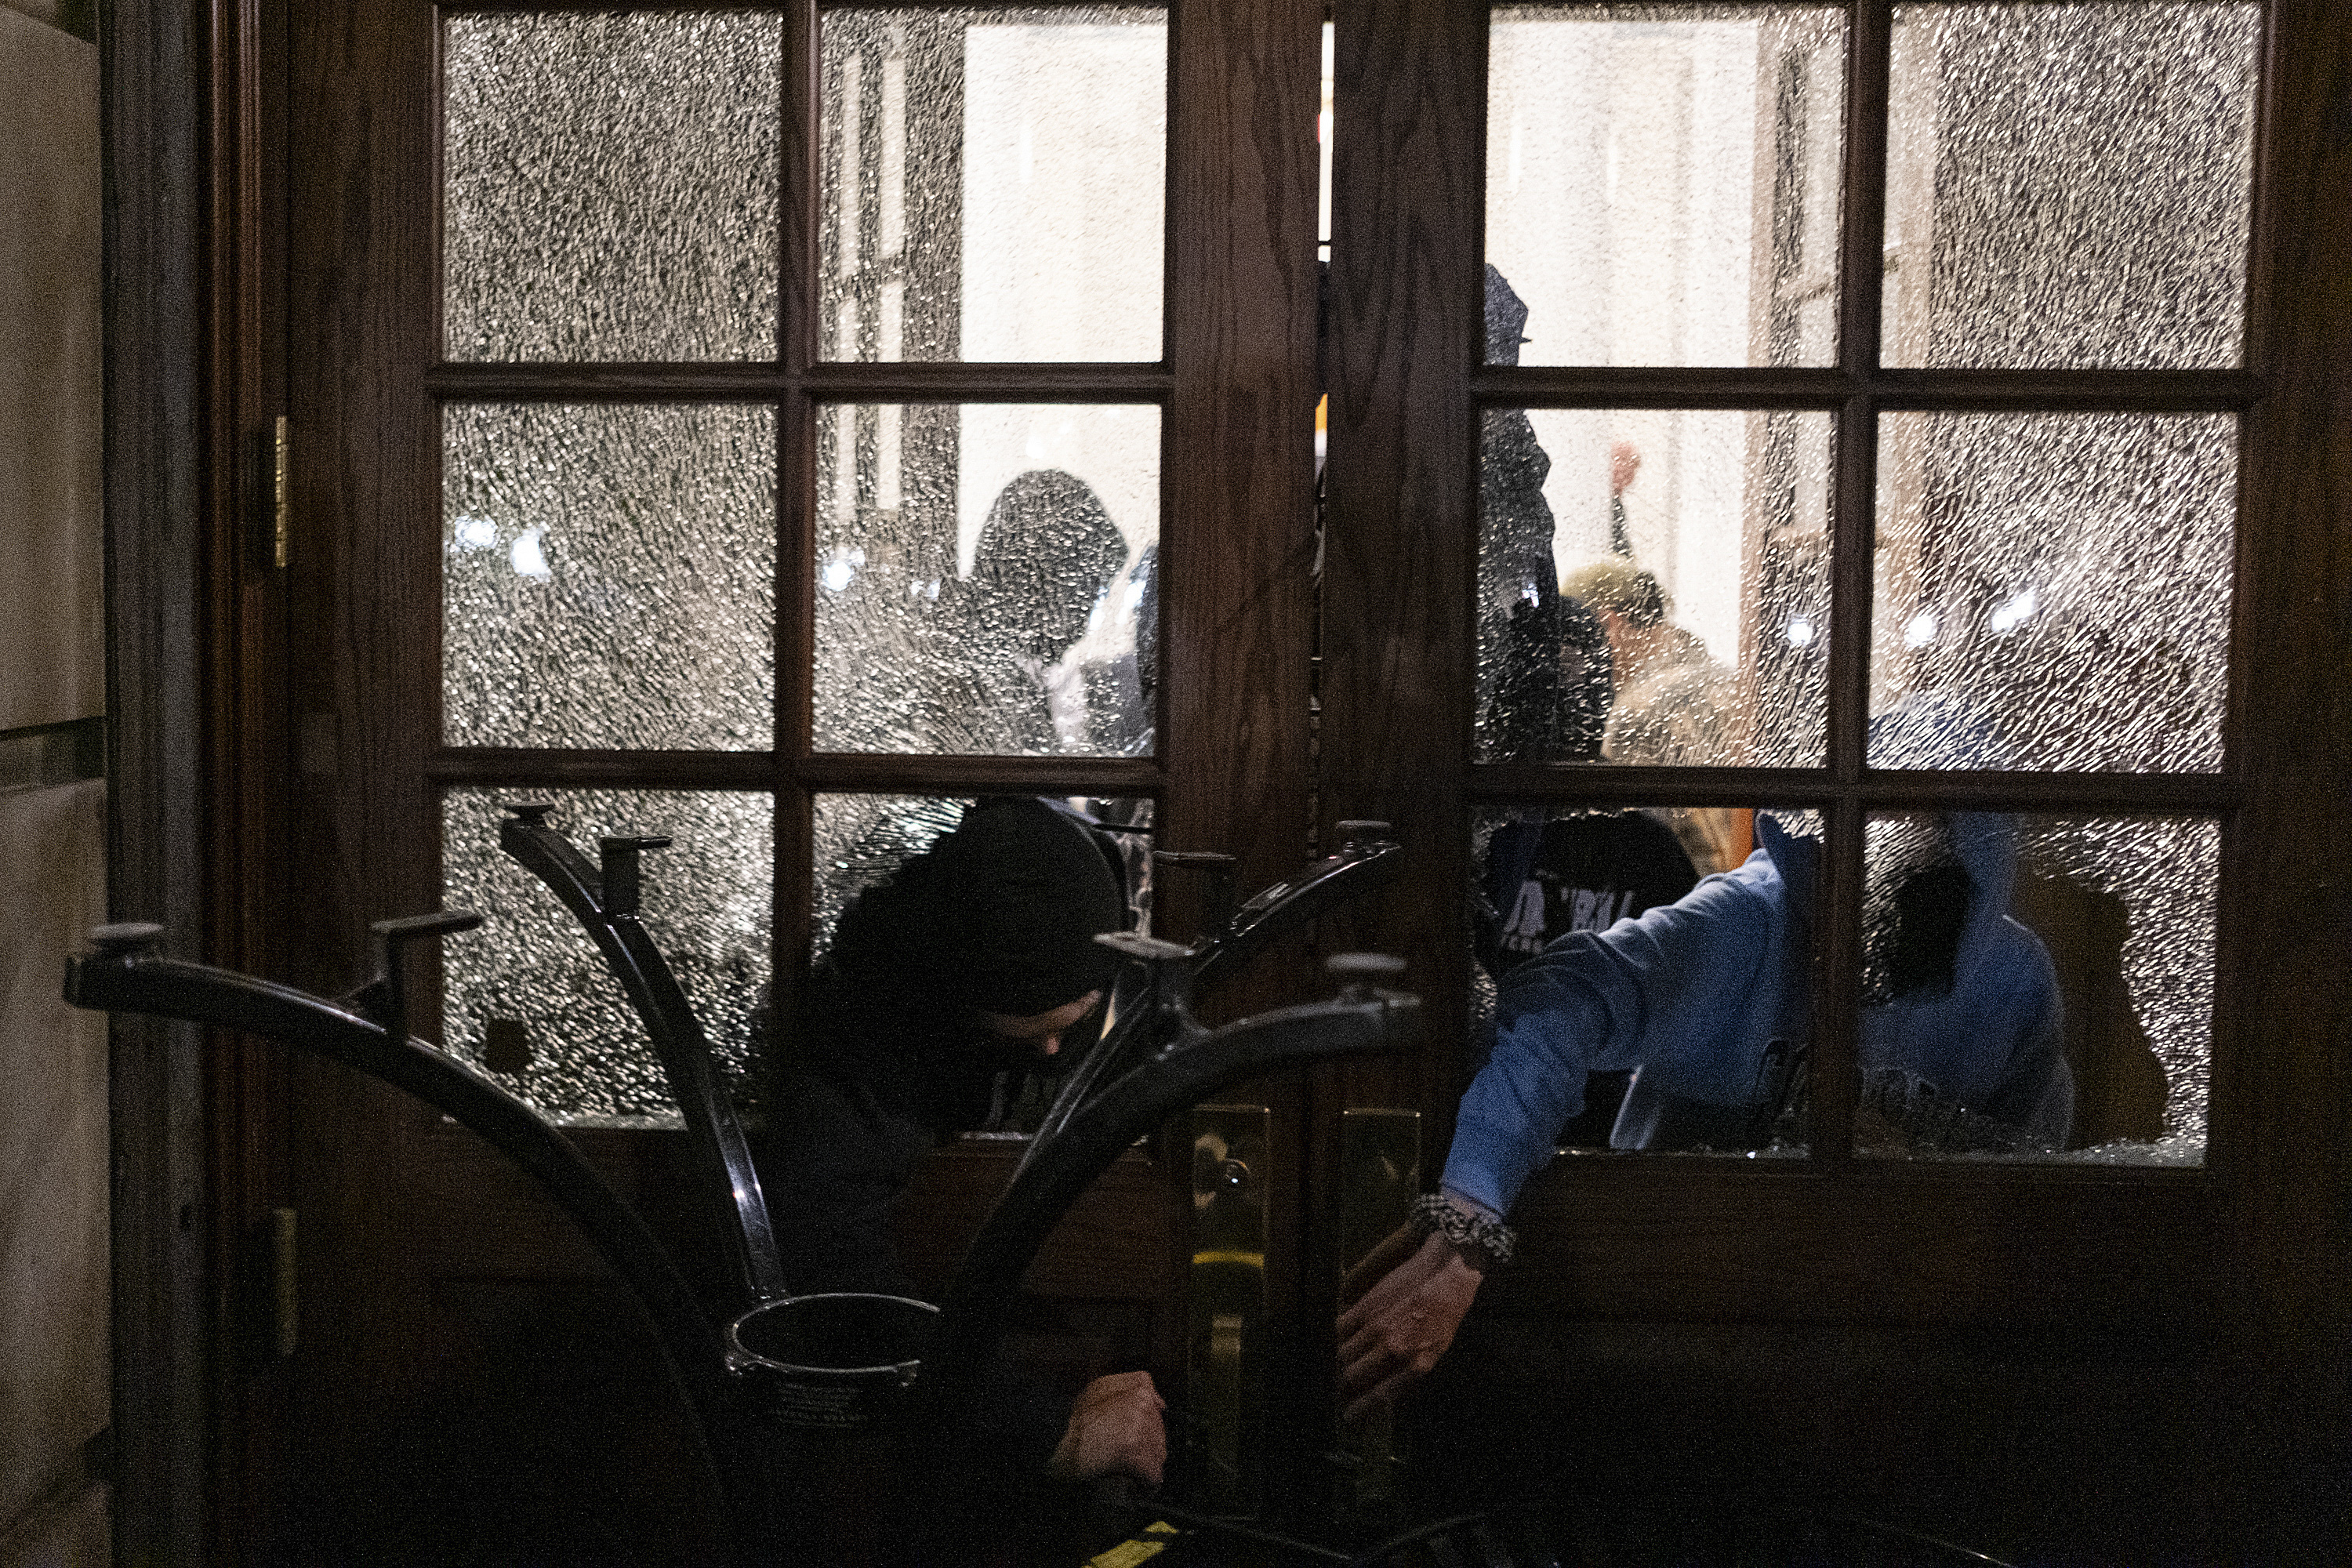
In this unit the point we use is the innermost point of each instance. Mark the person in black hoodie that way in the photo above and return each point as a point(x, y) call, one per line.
point(976, 959)
point(1046, 553)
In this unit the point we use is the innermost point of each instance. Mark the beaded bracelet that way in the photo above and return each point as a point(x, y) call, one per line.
point(1482, 1234)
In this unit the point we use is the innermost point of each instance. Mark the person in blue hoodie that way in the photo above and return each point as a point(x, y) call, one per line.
point(1707, 1000)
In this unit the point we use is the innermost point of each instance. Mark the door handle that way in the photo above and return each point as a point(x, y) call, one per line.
point(1225, 1403)
point(1379, 1176)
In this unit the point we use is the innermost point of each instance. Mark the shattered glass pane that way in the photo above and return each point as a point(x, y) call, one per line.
point(609, 576)
point(986, 578)
point(861, 840)
point(2052, 590)
point(526, 997)
point(1663, 183)
point(2079, 1029)
point(611, 185)
point(1730, 1083)
point(993, 183)
point(1653, 586)
point(2070, 185)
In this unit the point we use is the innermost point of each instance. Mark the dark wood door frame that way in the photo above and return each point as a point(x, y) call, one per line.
point(199, 747)
point(152, 62)
point(194, 337)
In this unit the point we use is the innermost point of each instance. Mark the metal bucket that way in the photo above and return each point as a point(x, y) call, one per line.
point(832, 1362)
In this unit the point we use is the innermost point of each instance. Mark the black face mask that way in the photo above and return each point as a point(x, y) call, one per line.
point(1914, 908)
point(969, 1043)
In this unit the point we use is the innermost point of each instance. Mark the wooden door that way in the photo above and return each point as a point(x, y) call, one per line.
point(2085, 1297)
point(686, 281)
point(1942, 1343)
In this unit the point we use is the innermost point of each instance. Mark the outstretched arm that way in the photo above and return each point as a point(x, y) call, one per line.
point(1662, 985)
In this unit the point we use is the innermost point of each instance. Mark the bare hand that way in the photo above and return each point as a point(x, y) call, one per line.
point(1393, 1336)
point(1624, 462)
point(1116, 1428)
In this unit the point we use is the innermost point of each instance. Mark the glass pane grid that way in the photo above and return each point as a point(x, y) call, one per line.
point(2037, 988)
point(2068, 196)
point(1925, 382)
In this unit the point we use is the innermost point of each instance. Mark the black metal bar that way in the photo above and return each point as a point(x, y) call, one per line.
point(1185, 1064)
point(1154, 999)
point(1360, 1021)
point(1217, 909)
point(1367, 859)
point(127, 974)
point(604, 901)
point(1150, 1010)
point(383, 1000)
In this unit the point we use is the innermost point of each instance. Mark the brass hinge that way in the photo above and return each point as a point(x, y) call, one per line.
point(281, 511)
point(270, 530)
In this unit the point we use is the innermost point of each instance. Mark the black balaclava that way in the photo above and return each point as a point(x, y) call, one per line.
point(999, 916)
point(1031, 890)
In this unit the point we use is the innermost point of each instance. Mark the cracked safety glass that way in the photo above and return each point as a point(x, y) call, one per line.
point(1663, 183)
point(608, 575)
point(2037, 988)
point(2070, 185)
point(992, 182)
point(610, 185)
point(1653, 586)
point(526, 997)
point(987, 579)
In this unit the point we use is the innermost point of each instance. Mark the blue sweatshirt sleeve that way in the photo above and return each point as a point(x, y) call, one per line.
point(1684, 987)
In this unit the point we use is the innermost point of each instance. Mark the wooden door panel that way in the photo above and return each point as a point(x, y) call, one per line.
point(1112, 1244)
point(462, 1349)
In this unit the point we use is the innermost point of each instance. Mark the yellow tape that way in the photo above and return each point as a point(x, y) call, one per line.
point(1128, 1553)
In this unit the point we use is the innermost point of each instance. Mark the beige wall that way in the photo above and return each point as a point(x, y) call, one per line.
point(53, 1191)
point(53, 1131)
point(52, 661)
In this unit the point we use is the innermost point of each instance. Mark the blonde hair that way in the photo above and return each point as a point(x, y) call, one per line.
point(1621, 586)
